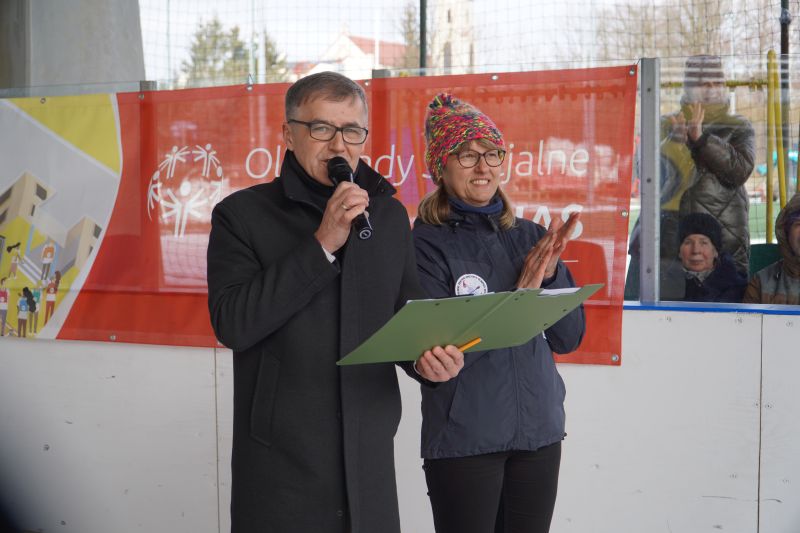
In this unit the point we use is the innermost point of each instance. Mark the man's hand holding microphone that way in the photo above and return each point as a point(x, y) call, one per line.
point(346, 208)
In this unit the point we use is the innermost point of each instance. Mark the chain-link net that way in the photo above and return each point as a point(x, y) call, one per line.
point(199, 42)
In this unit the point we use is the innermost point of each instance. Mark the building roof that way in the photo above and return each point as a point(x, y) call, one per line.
point(390, 54)
point(302, 67)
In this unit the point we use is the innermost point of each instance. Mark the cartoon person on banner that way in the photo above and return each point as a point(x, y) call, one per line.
point(171, 160)
point(12, 271)
point(37, 298)
point(172, 206)
point(208, 156)
point(22, 313)
point(48, 254)
point(50, 298)
point(3, 306)
point(154, 192)
point(216, 188)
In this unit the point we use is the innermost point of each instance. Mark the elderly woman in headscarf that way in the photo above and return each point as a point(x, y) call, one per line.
point(704, 273)
point(491, 437)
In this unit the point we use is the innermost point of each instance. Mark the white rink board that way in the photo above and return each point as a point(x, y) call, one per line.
point(780, 431)
point(669, 441)
point(666, 442)
point(103, 437)
point(224, 434)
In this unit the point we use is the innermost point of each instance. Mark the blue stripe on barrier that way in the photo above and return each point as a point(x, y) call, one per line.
point(711, 307)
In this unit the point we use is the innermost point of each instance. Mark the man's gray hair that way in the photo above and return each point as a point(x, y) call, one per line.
point(330, 86)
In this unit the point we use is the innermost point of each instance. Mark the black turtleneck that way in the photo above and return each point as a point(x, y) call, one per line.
point(320, 193)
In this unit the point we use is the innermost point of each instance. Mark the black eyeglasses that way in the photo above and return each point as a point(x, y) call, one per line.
point(470, 158)
point(322, 131)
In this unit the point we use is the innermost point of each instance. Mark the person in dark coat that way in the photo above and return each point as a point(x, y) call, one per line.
point(779, 283)
point(491, 437)
point(704, 274)
point(707, 156)
point(291, 291)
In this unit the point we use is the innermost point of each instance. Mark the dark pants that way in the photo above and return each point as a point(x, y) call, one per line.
point(507, 492)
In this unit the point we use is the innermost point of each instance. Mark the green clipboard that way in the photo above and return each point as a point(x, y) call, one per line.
point(500, 319)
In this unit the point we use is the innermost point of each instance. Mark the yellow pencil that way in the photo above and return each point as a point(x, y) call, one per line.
point(470, 344)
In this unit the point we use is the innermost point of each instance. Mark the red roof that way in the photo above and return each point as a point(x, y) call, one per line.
point(301, 67)
point(389, 54)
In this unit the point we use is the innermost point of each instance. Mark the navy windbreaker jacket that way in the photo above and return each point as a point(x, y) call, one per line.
point(507, 399)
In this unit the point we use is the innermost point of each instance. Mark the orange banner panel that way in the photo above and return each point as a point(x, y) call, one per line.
point(569, 135)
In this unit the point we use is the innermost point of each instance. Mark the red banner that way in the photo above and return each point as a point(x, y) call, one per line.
point(570, 141)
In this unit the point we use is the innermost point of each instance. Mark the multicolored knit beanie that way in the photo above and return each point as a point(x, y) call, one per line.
point(451, 123)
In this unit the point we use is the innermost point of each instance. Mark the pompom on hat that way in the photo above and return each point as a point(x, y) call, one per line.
point(451, 123)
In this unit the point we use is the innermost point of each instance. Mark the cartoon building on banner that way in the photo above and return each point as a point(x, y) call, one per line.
point(38, 250)
point(50, 227)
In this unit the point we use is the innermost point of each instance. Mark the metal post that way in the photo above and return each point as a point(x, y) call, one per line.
point(170, 74)
point(423, 34)
point(771, 134)
point(650, 214)
point(785, 20)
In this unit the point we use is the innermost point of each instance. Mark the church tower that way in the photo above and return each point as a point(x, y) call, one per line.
point(452, 37)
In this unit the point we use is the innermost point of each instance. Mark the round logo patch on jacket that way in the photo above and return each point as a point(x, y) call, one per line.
point(471, 284)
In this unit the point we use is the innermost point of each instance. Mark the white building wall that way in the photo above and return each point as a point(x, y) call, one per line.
point(84, 42)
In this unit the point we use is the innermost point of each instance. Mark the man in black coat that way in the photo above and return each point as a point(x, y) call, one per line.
point(291, 290)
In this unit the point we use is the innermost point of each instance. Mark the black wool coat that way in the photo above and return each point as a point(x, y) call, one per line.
point(312, 442)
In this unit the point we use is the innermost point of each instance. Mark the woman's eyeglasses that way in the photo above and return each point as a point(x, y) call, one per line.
point(470, 158)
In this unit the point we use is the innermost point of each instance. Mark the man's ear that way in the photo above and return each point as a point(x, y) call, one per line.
point(287, 136)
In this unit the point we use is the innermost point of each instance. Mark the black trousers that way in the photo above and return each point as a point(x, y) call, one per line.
point(506, 492)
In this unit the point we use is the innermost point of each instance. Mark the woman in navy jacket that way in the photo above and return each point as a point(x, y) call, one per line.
point(491, 438)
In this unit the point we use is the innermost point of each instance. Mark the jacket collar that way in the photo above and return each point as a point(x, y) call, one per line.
point(476, 220)
point(366, 178)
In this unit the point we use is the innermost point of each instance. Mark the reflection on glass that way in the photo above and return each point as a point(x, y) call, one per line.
point(708, 153)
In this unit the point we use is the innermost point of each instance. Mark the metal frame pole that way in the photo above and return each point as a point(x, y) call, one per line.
point(423, 34)
point(785, 20)
point(650, 214)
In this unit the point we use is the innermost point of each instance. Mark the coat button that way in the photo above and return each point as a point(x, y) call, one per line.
point(340, 513)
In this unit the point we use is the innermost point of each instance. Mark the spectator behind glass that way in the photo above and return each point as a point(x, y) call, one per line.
point(704, 274)
point(779, 283)
point(707, 155)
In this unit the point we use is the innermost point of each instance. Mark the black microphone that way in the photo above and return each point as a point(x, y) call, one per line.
point(339, 170)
